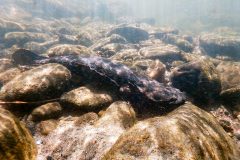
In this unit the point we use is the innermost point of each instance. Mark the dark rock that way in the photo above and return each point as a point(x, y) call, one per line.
point(132, 34)
point(199, 79)
point(221, 45)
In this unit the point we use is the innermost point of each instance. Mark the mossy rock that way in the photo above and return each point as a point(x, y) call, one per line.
point(186, 133)
point(199, 79)
point(41, 83)
point(16, 143)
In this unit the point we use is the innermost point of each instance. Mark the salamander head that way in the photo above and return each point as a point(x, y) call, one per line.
point(25, 57)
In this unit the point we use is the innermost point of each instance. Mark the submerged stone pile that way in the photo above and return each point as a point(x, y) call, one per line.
point(50, 110)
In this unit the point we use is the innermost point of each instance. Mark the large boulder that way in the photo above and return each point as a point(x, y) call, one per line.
point(184, 134)
point(163, 52)
point(16, 142)
point(40, 83)
point(221, 45)
point(87, 137)
point(200, 79)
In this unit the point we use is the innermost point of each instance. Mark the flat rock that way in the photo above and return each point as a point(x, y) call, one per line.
point(87, 137)
point(166, 53)
point(132, 34)
point(40, 83)
point(221, 45)
point(66, 49)
point(84, 98)
point(20, 38)
point(186, 133)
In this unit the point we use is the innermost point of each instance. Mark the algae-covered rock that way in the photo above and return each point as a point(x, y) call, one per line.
point(16, 143)
point(154, 69)
point(132, 34)
point(66, 49)
point(40, 83)
point(229, 73)
point(46, 111)
point(87, 137)
point(5, 64)
point(199, 79)
point(164, 53)
point(9, 74)
point(221, 45)
point(20, 38)
point(179, 41)
point(184, 134)
point(86, 99)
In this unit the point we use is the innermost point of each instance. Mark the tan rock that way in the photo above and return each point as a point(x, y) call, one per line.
point(184, 134)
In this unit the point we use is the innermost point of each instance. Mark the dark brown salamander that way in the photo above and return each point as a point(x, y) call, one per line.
point(121, 76)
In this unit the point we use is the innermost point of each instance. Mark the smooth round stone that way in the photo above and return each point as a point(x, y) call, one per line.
point(46, 111)
point(186, 133)
point(86, 99)
point(41, 83)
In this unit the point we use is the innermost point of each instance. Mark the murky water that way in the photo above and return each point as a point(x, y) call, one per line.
point(109, 79)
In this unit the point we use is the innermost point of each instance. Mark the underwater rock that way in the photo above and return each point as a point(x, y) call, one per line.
point(199, 79)
point(40, 47)
point(9, 26)
point(186, 133)
point(46, 127)
point(9, 74)
point(127, 56)
point(229, 73)
point(132, 34)
point(67, 49)
point(114, 38)
point(231, 97)
point(221, 45)
point(85, 39)
point(46, 111)
point(165, 53)
point(20, 38)
point(5, 64)
point(40, 83)
point(16, 143)
point(85, 99)
point(87, 140)
point(110, 49)
point(153, 69)
point(178, 41)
